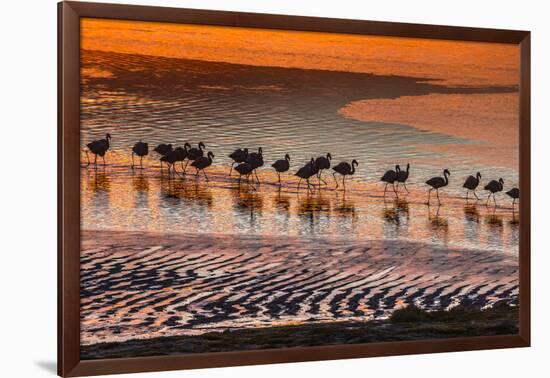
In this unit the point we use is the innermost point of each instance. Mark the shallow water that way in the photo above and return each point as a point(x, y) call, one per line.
point(283, 110)
point(117, 198)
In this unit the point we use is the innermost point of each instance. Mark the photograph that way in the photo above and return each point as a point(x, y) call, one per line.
point(251, 188)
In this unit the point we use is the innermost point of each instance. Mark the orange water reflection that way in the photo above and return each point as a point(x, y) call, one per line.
point(451, 62)
point(114, 197)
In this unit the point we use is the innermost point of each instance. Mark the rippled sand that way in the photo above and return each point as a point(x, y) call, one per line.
point(146, 285)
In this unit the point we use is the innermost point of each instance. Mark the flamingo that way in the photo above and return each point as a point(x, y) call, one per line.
point(203, 162)
point(438, 182)
point(244, 169)
point(281, 166)
point(170, 159)
point(238, 156)
point(305, 172)
point(472, 183)
point(345, 169)
point(256, 160)
point(98, 147)
point(390, 177)
point(193, 153)
point(402, 177)
point(181, 154)
point(322, 162)
point(494, 187)
point(513, 193)
point(162, 149)
point(140, 149)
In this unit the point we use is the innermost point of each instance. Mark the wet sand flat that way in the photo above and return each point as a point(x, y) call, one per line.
point(116, 197)
point(146, 285)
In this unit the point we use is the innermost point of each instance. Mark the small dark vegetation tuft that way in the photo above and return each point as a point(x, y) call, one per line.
point(410, 314)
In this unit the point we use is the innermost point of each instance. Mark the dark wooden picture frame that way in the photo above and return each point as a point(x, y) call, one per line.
point(69, 14)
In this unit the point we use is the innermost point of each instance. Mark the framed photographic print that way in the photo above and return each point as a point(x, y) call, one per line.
point(240, 188)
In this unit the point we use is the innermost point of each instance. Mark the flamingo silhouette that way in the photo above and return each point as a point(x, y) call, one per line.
point(471, 183)
point(390, 177)
point(402, 177)
point(494, 187)
point(513, 193)
point(202, 162)
point(305, 172)
point(256, 160)
point(244, 169)
point(322, 162)
point(193, 153)
point(98, 147)
point(345, 169)
point(437, 183)
point(162, 149)
point(140, 149)
point(281, 166)
point(238, 156)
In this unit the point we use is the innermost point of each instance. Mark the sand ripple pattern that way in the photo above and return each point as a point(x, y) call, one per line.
point(149, 285)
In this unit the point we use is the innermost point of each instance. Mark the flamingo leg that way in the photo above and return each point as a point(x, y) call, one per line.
point(475, 194)
point(299, 182)
point(405, 186)
point(256, 175)
point(141, 162)
point(344, 182)
point(231, 169)
point(103, 160)
point(321, 179)
point(495, 201)
point(513, 203)
point(95, 160)
point(205, 176)
point(438, 200)
point(385, 189)
point(279, 175)
point(467, 192)
point(174, 169)
point(488, 198)
point(132, 160)
point(87, 158)
point(429, 194)
point(395, 190)
point(185, 168)
point(335, 180)
point(308, 185)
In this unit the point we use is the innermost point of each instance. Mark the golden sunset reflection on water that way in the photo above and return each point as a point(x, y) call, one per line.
point(116, 198)
point(449, 62)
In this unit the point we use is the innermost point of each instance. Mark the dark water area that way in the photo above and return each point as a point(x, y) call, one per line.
point(283, 110)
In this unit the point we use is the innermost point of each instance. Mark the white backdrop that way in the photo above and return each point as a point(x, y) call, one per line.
point(28, 187)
